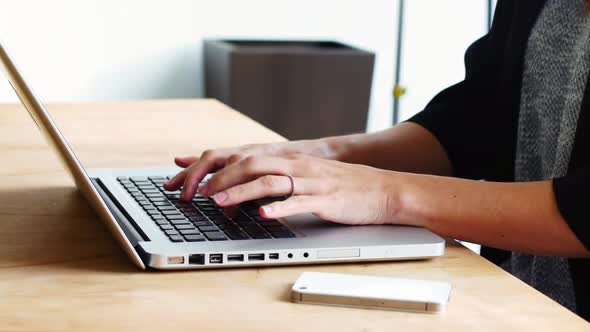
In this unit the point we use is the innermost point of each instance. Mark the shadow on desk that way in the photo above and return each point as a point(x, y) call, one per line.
point(55, 226)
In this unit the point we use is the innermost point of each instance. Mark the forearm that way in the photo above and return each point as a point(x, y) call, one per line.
point(514, 216)
point(406, 147)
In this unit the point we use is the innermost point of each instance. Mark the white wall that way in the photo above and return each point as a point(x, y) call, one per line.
point(81, 50)
point(437, 35)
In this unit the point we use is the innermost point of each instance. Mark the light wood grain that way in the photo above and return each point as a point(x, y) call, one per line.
point(61, 271)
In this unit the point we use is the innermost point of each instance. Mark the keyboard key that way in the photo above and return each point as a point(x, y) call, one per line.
point(278, 229)
point(161, 222)
point(215, 236)
point(202, 223)
point(239, 235)
point(208, 228)
point(122, 178)
point(266, 224)
point(170, 232)
point(252, 229)
point(176, 217)
point(176, 238)
point(261, 236)
point(188, 231)
point(155, 178)
point(220, 222)
point(216, 215)
point(184, 226)
point(171, 213)
point(166, 208)
point(137, 178)
point(241, 217)
point(195, 214)
point(283, 234)
point(188, 210)
point(151, 192)
point(179, 222)
point(166, 227)
point(194, 238)
point(245, 222)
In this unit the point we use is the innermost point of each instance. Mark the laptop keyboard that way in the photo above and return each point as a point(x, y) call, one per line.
point(201, 219)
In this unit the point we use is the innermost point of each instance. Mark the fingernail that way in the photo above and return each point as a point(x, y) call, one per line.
point(267, 209)
point(220, 197)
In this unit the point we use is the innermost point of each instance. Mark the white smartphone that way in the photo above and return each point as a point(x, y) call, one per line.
point(371, 292)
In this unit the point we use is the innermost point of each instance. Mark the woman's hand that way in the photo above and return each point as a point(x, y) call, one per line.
point(196, 168)
point(332, 190)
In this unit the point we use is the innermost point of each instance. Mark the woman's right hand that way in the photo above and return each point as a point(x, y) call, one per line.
point(196, 168)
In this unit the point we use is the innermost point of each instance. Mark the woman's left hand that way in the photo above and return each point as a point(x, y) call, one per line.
point(332, 190)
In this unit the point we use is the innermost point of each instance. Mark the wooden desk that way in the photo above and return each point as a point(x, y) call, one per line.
point(61, 271)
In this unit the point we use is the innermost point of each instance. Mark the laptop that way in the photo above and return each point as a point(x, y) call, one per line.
point(158, 231)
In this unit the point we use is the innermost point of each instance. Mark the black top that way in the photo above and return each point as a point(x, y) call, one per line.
point(476, 122)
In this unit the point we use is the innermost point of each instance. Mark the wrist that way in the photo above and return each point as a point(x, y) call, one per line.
point(405, 200)
point(339, 148)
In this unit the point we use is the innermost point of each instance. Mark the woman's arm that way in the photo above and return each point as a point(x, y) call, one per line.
point(514, 216)
point(407, 147)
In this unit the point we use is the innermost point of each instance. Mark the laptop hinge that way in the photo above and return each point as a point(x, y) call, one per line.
point(133, 233)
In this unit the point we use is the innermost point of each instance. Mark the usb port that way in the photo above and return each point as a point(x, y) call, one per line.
point(196, 259)
point(235, 258)
point(255, 257)
point(273, 256)
point(215, 258)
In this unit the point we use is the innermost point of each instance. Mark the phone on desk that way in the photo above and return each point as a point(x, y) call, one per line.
point(371, 292)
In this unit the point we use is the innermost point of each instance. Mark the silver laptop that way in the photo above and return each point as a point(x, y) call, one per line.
point(157, 230)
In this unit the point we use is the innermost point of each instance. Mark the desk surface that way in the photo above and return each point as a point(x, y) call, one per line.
point(60, 270)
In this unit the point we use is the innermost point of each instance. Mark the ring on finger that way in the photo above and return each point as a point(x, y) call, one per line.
point(292, 191)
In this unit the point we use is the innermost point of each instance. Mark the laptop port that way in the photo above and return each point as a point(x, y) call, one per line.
point(196, 259)
point(235, 258)
point(215, 258)
point(273, 256)
point(176, 260)
point(255, 257)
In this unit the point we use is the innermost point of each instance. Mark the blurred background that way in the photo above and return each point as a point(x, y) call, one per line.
point(98, 50)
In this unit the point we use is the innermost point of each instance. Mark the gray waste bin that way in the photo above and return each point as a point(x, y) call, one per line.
point(300, 89)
